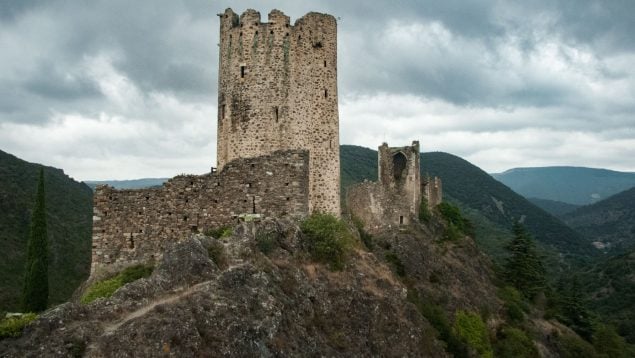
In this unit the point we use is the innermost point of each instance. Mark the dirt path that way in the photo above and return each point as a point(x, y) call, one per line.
point(111, 327)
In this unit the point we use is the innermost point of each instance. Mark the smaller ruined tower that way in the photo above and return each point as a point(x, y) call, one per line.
point(396, 198)
point(400, 176)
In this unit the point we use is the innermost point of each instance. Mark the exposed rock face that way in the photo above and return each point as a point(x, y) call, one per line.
point(252, 305)
point(454, 275)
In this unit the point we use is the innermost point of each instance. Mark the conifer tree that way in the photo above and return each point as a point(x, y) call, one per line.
point(35, 291)
point(524, 269)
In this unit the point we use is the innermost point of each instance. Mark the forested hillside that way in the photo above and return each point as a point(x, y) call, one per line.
point(69, 208)
point(610, 222)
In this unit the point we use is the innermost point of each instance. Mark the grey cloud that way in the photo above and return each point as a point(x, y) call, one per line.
point(169, 47)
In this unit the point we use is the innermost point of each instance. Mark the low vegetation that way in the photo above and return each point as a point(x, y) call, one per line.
point(13, 326)
point(424, 212)
point(396, 264)
point(367, 239)
point(513, 342)
point(219, 232)
point(266, 242)
point(216, 252)
point(106, 288)
point(328, 239)
point(457, 226)
point(470, 329)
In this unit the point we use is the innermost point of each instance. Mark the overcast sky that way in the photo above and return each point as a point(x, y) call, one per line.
point(127, 89)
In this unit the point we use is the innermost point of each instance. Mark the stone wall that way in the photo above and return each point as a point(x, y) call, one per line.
point(432, 190)
point(131, 226)
point(393, 200)
point(278, 90)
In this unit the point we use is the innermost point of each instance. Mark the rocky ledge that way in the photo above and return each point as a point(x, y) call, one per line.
point(249, 304)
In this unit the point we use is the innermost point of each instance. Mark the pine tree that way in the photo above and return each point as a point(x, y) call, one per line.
point(36, 288)
point(524, 269)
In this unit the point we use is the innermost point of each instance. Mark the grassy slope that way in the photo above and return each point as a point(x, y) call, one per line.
point(69, 207)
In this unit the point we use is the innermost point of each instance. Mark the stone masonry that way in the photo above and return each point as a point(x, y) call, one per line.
point(278, 143)
point(277, 89)
point(134, 226)
point(395, 199)
point(432, 190)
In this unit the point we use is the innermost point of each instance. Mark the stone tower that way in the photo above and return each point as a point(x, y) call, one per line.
point(278, 90)
point(396, 198)
point(400, 175)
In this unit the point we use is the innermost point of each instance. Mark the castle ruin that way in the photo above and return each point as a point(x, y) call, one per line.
point(395, 198)
point(278, 143)
point(277, 89)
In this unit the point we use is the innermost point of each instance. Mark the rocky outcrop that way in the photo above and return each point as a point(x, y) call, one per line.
point(280, 304)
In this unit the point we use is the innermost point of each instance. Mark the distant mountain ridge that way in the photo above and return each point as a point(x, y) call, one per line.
point(128, 184)
point(573, 185)
point(69, 221)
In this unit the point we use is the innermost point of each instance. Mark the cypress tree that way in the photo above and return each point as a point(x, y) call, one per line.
point(36, 289)
point(524, 269)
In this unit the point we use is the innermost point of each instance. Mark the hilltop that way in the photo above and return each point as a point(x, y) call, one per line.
point(257, 292)
point(69, 210)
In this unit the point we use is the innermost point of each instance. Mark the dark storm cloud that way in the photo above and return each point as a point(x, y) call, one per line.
point(474, 71)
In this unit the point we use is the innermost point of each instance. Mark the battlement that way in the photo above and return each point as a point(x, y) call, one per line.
point(278, 90)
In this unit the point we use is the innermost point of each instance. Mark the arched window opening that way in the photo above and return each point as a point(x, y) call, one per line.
point(398, 165)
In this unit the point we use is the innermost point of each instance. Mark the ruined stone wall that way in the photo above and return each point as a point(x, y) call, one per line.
point(278, 90)
point(132, 226)
point(393, 200)
point(432, 190)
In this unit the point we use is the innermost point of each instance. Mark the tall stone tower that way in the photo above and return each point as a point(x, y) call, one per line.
point(278, 90)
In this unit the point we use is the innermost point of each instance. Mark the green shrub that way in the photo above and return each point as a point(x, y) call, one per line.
point(470, 328)
point(514, 304)
point(453, 217)
point(107, 287)
point(424, 211)
point(13, 326)
point(396, 263)
point(328, 239)
point(219, 232)
point(438, 319)
point(366, 238)
point(570, 346)
point(513, 342)
point(216, 252)
point(609, 343)
point(452, 233)
point(265, 242)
